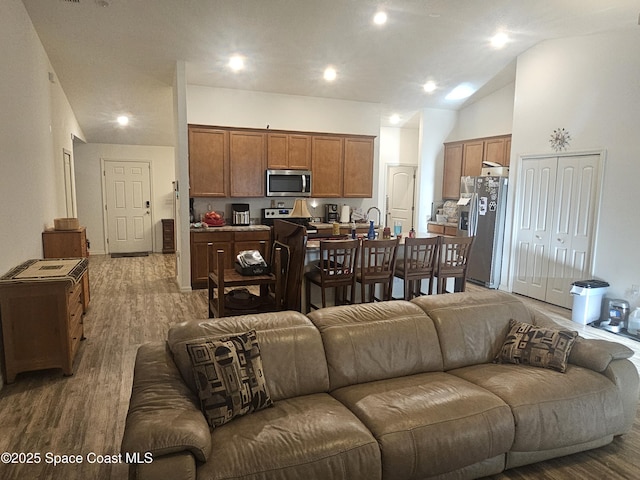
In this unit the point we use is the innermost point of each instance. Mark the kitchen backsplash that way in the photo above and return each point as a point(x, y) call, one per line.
point(316, 205)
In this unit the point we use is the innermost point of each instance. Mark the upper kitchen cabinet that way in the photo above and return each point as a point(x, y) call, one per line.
point(327, 166)
point(465, 158)
point(452, 170)
point(247, 159)
point(358, 167)
point(289, 151)
point(208, 162)
point(472, 157)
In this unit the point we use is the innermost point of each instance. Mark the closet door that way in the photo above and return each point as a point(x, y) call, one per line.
point(556, 221)
point(573, 226)
point(536, 190)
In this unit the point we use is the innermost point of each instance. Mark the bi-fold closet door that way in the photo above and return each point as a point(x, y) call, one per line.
point(557, 205)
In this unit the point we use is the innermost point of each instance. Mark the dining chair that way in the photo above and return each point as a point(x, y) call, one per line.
point(419, 263)
point(377, 266)
point(336, 269)
point(453, 258)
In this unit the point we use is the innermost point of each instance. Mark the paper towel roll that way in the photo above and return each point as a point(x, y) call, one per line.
point(344, 215)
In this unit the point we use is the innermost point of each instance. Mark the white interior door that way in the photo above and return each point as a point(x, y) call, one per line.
point(573, 225)
point(128, 206)
point(69, 184)
point(400, 195)
point(536, 190)
point(556, 224)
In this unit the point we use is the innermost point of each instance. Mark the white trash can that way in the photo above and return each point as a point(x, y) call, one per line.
point(587, 300)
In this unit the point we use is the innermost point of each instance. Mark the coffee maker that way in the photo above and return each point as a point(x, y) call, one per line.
point(331, 212)
point(240, 214)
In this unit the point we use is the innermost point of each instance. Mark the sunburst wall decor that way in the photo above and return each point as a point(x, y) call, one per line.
point(560, 139)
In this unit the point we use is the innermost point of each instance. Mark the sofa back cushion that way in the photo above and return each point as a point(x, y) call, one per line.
point(472, 326)
point(291, 349)
point(376, 341)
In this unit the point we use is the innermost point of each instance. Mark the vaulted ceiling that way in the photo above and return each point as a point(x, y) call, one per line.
point(116, 57)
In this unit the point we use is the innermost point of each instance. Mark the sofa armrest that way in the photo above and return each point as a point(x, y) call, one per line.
point(597, 354)
point(164, 416)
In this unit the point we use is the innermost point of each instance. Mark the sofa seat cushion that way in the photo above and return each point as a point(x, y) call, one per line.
point(430, 423)
point(306, 437)
point(552, 409)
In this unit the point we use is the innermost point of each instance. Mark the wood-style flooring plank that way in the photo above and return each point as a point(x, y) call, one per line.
point(135, 300)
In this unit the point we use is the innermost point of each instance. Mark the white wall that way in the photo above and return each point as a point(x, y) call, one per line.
point(489, 116)
point(589, 86)
point(37, 123)
point(89, 186)
point(435, 126)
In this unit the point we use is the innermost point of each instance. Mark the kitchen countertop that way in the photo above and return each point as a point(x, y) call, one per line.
point(231, 228)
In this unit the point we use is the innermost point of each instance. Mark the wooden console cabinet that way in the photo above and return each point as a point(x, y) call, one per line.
point(42, 324)
point(168, 236)
point(68, 244)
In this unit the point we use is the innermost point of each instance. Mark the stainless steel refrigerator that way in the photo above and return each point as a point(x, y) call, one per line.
point(482, 211)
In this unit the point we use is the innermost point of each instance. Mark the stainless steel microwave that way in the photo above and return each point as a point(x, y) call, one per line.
point(288, 183)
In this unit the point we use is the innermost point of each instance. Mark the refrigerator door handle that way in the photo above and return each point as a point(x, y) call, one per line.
point(473, 215)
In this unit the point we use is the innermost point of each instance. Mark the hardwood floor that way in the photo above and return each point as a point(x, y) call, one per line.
point(135, 300)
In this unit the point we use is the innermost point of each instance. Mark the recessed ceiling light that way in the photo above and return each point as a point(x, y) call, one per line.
point(463, 90)
point(430, 86)
point(499, 40)
point(123, 120)
point(394, 119)
point(236, 63)
point(380, 18)
point(330, 74)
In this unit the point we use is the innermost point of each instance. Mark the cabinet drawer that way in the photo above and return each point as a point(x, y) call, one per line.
point(449, 230)
point(75, 317)
point(252, 236)
point(75, 335)
point(74, 297)
point(435, 228)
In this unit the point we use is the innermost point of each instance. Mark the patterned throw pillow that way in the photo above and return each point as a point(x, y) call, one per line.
point(539, 347)
point(229, 377)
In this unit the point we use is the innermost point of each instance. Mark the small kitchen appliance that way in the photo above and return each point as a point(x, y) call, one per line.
point(240, 214)
point(617, 315)
point(331, 212)
point(288, 183)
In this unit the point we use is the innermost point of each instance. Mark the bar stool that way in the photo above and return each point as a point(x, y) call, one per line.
point(337, 269)
point(377, 265)
point(453, 258)
point(419, 263)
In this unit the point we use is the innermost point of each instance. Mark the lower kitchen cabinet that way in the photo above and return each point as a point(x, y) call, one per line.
point(232, 241)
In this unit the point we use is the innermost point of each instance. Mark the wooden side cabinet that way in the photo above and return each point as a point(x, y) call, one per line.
point(68, 244)
point(168, 236)
point(42, 324)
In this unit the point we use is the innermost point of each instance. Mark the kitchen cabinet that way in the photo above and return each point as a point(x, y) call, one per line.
point(231, 162)
point(208, 162)
point(452, 170)
point(442, 229)
point(358, 167)
point(231, 241)
point(465, 158)
point(472, 156)
point(288, 151)
point(327, 163)
point(247, 154)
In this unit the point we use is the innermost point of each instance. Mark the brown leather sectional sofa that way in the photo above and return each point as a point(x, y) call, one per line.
point(390, 390)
